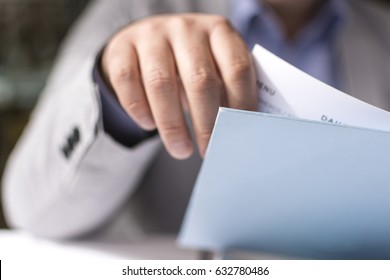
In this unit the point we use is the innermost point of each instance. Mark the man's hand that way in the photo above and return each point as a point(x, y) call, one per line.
point(163, 65)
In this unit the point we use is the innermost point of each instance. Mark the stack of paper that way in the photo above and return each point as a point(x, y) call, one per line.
point(307, 177)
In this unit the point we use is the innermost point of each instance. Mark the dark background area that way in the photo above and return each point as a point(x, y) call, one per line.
point(30, 33)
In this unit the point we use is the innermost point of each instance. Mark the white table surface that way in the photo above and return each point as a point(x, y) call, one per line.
point(17, 244)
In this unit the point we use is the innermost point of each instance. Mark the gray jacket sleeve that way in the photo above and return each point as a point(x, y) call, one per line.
point(66, 176)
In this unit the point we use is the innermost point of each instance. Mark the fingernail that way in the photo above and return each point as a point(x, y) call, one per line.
point(147, 123)
point(181, 150)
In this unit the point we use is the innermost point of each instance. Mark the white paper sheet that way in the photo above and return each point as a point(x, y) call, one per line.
point(286, 90)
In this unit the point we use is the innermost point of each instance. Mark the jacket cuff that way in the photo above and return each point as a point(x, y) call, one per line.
point(116, 122)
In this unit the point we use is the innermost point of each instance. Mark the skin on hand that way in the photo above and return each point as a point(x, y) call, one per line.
point(156, 63)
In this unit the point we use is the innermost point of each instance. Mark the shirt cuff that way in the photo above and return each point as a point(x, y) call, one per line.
point(116, 121)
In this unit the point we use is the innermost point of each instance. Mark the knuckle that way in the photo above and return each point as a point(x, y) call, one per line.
point(159, 80)
point(171, 129)
point(135, 107)
point(113, 48)
point(117, 39)
point(123, 36)
point(148, 25)
point(219, 21)
point(181, 22)
point(239, 71)
point(122, 75)
point(203, 80)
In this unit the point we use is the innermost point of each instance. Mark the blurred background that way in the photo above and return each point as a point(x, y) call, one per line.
point(30, 33)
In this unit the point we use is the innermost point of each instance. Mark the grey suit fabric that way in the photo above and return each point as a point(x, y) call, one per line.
point(121, 193)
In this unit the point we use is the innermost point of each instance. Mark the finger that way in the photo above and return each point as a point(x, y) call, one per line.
point(123, 73)
point(236, 67)
point(200, 79)
point(160, 81)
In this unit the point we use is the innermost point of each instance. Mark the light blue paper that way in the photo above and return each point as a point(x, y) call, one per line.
point(294, 187)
